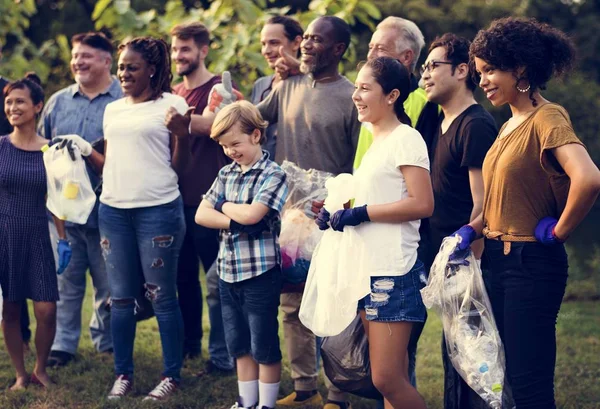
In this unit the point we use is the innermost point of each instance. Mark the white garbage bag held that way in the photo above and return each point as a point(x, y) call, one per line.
point(337, 278)
point(457, 293)
point(70, 193)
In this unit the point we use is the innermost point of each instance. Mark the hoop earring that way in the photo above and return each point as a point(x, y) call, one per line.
point(522, 90)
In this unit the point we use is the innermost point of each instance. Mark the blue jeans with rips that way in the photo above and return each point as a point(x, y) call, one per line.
point(150, 237)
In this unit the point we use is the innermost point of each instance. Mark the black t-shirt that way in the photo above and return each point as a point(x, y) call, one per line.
point(463, 146)
point(5, 127)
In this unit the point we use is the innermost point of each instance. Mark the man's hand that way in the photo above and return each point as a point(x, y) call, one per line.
point(177, 124)
point(223, 94)
point(286, 65)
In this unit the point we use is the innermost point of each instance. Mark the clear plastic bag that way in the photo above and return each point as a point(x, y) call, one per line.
point(457, 293)
point(337, 278)
point(299, 233)
point(70, 193)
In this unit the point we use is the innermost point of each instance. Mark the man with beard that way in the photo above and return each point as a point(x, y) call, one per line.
point(79, 109)
point(189, 48)
point(317, 128)
point(466, 132)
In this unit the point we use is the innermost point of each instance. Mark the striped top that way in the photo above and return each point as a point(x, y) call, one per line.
point(242, 257)
point(22, 181)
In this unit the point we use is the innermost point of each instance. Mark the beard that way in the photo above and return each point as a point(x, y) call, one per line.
point(191, 67)
point(316, 65)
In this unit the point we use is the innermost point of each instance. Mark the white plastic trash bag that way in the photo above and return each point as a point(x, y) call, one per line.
point(299, 233)
point(337, 278)
point(70, 193)
point(457, 293)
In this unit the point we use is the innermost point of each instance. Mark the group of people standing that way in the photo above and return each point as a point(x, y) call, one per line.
point(183, 179)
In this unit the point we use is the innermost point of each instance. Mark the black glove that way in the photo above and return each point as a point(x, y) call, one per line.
point(252, 230)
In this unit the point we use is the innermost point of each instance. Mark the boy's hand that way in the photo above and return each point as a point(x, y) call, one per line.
point(252, 230)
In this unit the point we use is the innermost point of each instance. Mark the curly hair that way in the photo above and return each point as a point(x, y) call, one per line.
point(457, 52)
point(390, 74)
point(511, 43)
point(156, 53)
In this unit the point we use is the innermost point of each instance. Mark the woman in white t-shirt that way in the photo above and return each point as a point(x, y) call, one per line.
point(141, 211)
point(394, 193)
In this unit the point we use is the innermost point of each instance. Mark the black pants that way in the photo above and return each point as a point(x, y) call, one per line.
point(527, 287)
point(200, 244)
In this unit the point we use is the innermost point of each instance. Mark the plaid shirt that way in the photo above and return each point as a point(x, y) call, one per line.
point(241, 257)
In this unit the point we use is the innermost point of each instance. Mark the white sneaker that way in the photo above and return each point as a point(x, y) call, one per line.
point(166, 387)
point(122, 386)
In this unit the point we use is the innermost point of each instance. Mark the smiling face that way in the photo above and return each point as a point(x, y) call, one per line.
point(383, 44)
point(440, 80)
point(370, 100)
point(89, 65)
point(272, 36)
point(498, 85)
point(134, 73)
point(186, 55)
point(243, 149)
point(319, 51)
point(19, 107)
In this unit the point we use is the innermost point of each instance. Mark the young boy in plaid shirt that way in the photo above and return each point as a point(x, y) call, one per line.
point(244, 202)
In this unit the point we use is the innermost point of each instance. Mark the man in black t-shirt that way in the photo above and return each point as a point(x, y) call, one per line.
point(465, 133)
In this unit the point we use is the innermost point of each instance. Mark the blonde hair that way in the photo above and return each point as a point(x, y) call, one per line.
point(242, 112)
point(408, 33)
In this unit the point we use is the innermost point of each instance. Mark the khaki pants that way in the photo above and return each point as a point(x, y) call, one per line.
point(301, 345)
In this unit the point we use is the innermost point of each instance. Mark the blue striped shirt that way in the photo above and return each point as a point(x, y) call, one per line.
point(242, 257)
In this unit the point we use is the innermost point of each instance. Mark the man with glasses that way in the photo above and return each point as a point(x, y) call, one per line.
point(465, 133)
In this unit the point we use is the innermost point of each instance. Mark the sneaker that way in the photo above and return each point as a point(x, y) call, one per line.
point(291, 401)
point(167, 387)
point(337, 405)
point(122, 386)
point(237, 405)
point(59, 359)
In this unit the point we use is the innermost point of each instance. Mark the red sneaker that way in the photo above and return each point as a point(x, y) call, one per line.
point(122, 386)
point(166, 388)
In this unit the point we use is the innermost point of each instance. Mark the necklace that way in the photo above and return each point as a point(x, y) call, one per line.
point(314, 81)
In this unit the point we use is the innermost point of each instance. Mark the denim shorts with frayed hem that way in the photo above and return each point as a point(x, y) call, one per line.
point(250, 309)
point(396, 298)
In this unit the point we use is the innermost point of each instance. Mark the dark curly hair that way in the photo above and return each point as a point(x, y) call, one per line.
point(457, 52)
point(511, 43)
point(156, 53)
point(390, 74)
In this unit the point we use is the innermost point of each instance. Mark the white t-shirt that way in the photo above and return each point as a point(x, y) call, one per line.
point(137, 171)
point(392, 247)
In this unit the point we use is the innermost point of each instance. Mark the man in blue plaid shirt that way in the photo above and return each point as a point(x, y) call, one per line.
point(245, 202)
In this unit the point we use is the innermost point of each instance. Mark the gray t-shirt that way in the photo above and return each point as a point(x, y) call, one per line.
point(317, 128)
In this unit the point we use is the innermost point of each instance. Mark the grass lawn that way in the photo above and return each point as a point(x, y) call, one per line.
point(85, 383)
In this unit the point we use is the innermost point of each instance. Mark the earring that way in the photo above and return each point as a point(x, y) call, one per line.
point(523, 90)
point(151, 75)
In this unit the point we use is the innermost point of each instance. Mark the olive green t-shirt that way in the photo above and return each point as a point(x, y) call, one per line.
point(523, 181)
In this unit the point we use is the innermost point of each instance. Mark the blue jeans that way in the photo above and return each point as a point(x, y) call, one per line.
point(85, 243)
point(217, 347)
point(152, 237)
point(250, 309)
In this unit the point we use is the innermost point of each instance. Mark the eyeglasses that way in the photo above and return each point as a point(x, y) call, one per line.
point(432, 65)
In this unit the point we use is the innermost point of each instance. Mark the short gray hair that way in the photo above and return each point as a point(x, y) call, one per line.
point(407, 32)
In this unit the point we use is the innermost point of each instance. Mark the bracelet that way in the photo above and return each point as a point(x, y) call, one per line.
point(190, 127)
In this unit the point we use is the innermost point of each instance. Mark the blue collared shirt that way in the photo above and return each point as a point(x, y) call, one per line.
point(70, 111)
point(242, 257)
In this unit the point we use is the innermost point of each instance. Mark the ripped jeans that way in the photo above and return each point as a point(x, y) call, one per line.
point(152, 236)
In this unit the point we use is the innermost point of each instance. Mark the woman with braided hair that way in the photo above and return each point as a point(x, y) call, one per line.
point(539, 184)
point(141, 211)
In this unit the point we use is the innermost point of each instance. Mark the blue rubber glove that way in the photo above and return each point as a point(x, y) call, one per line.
point(64, 255)
point(349, 217)
point(544, 231)
point(322, 219)
point(463, 248)
point(252, 230)
point(219, 205)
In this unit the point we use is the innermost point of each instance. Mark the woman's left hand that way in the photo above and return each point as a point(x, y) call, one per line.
point(544, 231)
point(64, 255)
point(349, 217)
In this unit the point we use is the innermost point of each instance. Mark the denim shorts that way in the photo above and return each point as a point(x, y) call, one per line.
point(396, 298)
point(250, 309)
